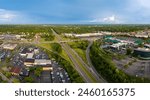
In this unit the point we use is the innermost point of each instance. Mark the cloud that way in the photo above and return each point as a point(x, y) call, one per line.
point(143, 3)
point(138, 5)
point(109, 20)
point(138, 11)
point(15, 17)
point(7, 16)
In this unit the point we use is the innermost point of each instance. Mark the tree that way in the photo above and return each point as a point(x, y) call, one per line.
point(1, 79)
point(32, 69)
point(28, 79)
point(126, 66)
point(38, 71)
point(16, 81)
point(48, 36)
point(8, 74)
point(56, 47)
point(107, 68)
point(129, 51)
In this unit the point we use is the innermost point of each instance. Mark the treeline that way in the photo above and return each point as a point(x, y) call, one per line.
point(79, 44)
point(16, 29)
point(48, 36)
point(104, 65)
point(28, 30)
point(73, 74)
point(96, 28)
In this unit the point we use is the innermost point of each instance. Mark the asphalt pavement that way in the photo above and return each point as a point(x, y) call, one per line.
point(82, 68)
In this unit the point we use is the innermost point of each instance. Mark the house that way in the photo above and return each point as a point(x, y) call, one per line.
point(15, 71)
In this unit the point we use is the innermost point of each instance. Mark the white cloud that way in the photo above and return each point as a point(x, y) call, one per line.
point(138, 6)
point(138, 11)
point(109, 19)
point(6, 15)
point(143, 3)
point(14, 17)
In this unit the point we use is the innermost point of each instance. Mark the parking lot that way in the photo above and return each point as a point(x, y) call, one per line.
point(17, 61)
point(45, 77)
point(57, 75)
point(140, 68)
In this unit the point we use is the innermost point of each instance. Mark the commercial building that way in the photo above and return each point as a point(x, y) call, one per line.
point(29, 62)
point(42, 62)
point(118, 46)
point(15, 71)
point(27, 52)
point(141, 36)
point(83, 35)
point(36, 50)
point(47, 68)
point(30, 55)
point(37, 62)
point(9, 46)
point(147, 45)
point(23, 52)
point(143, 53)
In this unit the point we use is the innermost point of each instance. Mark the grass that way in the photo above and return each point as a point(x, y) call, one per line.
point(82, 54)
point(48, 47)
point(83, 68)
point(79, 62)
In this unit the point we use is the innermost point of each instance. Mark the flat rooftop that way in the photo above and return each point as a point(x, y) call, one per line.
point(143, 49)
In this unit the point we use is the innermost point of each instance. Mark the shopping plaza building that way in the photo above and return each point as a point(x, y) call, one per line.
point(143, 53)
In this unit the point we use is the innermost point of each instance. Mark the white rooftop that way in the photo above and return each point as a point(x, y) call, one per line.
point(42, 62)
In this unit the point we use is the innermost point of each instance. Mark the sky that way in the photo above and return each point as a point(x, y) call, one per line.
point(74, 12)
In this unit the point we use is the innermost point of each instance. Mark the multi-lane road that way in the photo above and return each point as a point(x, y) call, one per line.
point(83, 69)
point(87, 71)
point(90, 63)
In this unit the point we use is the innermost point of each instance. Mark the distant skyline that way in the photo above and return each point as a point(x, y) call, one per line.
point(74, 12)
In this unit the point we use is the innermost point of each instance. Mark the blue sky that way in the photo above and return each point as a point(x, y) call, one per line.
point(74, 12)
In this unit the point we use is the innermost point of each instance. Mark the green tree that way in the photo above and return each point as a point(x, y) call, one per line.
point(16, 81)
point(1, 79)
point(105, 66)
point(8, 74)
point(128, 51)
point(38, 71)
point(28, 79)
point(56, 47)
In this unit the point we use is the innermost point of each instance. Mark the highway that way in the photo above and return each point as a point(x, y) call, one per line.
point(84, 70)
point(90, 63)
point(88, 74)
